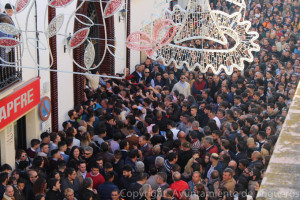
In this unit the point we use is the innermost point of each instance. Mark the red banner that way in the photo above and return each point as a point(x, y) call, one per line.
point(19, 102)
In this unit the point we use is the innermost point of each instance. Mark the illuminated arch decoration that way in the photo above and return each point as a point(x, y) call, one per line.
point(55, 28)
point(162, 34)
point(199, 22)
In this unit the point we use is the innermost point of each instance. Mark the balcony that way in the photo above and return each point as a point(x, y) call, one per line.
point(10, 75)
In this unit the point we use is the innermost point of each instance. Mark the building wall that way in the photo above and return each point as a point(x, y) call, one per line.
point(65, 62)
point(120, 35)
point(33, 122)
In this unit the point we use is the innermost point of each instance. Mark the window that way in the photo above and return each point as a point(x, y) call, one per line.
point(9, 75)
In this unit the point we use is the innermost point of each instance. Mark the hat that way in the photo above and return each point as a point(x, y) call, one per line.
point(8, 6)
point(186, 145)
point(215, 156)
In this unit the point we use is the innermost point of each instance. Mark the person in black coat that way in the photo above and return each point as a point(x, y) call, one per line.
point(89, 158)
point(54, 191)
point(185, 155)
point(3, 182)
point(87, 189)
point(119, 163)
point(169, 142)
point(134, 188)
point(55, 157)
point(33, 176)
point(137, 74)
point(71, 181)
point(171, 81)
point(240, 153)
point(127, 179)
point(105, 189)
point(124, 146)
point(161, 121)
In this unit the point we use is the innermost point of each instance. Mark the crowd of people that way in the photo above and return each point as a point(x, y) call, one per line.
point(167, 133)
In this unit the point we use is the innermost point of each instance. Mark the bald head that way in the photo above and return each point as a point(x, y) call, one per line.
point(156, 149)
point(176, 176)
point(215, 174)
point(159, 114)
point(181, 134)
point(256, 155)
point(168, 193)
point(9, 191)
point(233, 164)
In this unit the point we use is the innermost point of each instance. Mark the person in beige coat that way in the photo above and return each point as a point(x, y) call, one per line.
point(182, 86)
point(81, 173)
point(228, 181)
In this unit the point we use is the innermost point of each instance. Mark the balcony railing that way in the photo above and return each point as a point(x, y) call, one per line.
point(10, 75)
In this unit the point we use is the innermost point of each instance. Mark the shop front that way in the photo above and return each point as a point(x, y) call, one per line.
point(19, 122)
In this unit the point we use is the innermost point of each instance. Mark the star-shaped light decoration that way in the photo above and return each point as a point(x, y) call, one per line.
point(231, 41)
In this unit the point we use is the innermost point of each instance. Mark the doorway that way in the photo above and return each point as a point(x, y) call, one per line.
point(20, 133)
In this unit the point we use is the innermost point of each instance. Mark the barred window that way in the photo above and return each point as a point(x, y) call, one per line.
point(9, 60)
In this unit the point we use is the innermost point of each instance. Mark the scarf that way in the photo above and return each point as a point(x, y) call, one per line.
point(7, 197)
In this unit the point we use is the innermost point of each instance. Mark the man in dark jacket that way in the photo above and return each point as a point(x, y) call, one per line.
point(161, 121)
point(240, 148)
point(89, 157)
point(145, 147)
point(214, 164)
point(105, 189)
point(33, 176)
point(137, 74)
point(87, 189)
point(3, 182)
point(127, 179)
point(134, 188)
point(54, 191)
point(107, 156)
point(171, 81)
point(124, 147)
point(185, 155)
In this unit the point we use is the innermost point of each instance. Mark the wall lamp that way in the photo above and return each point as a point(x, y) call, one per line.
point(122, 15)
point(67, 40)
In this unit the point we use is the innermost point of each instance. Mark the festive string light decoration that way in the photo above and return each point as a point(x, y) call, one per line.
point(228, 34)
point(55, 28)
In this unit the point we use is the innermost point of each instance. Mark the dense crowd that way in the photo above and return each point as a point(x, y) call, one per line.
point(167, 133)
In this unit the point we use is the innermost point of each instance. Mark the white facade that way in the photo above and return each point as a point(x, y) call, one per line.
point(33, 122)
point(141, 10)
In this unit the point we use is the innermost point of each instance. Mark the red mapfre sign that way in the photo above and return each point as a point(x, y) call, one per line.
point(19, 102)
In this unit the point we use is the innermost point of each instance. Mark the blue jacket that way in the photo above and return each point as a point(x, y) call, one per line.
point(105, 189)
point(66, 157)
point(232, 135)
